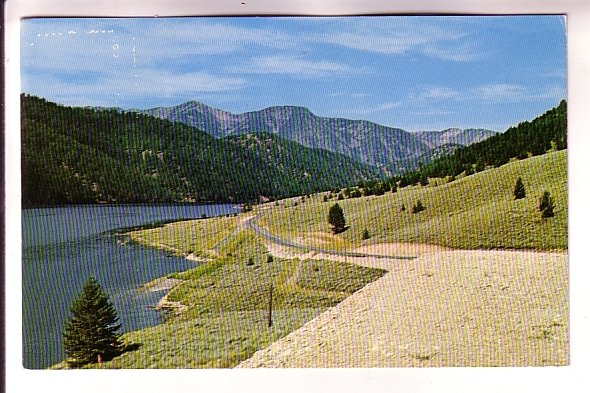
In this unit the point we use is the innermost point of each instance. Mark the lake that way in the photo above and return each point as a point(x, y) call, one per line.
point(63, 246)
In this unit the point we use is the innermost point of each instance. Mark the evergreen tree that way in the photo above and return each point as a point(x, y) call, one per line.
point(366, 234)
point(544, 201)
point(546, 205)
point(91, 332)
point(519, 191)
point(336, 218)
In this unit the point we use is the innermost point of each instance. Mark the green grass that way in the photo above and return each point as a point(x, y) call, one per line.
point(226, 320)
point(227, 298)
point(474, 212)
point(185, 237)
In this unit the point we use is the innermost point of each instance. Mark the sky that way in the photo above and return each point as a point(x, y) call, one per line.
point(411, 72)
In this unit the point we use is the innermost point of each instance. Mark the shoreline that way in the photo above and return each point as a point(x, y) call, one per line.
point(165, 284)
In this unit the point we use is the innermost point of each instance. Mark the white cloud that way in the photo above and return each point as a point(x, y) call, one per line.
point(379, 108)
point(439, 93)
point(403, 36)
point(452, 53)
point(500, 91)
point(380, 43)
point(125, 91)
point(493, 92)
point(193, 82)
point(350, 95)
point(291, 65)
point(505, 92)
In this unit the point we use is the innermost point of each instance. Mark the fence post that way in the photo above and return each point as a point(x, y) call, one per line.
point(270, 306)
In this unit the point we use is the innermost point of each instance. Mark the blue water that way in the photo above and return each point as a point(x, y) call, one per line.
point(63, 246)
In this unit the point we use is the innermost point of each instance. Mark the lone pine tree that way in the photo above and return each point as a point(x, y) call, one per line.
point(519, 191)
point(91, 332)
point(336, 218)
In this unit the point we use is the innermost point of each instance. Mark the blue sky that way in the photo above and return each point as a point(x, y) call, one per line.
point(415, 73)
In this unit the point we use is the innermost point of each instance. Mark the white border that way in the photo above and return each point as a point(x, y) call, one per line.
point(568, 379)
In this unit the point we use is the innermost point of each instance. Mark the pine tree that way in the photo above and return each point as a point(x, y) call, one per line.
point(336, 218)
point(546, 205)
point(519, 191)
point(544, 201)
point(91, 332)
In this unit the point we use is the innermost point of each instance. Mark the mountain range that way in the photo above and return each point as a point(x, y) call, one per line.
point(89, 155)
point(393, 150)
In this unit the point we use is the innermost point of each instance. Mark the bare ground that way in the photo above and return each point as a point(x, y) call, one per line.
point(444, 309)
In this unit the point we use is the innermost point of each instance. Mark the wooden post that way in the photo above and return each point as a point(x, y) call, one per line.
point(270, 307)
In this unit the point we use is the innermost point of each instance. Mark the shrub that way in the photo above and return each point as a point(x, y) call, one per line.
point(250, 261)
point(269, 259)
point(366, 234)
point(355, 193)
point(519, 190)
point(418, 207)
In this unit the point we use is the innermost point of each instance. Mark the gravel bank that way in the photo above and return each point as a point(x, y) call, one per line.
point(444, 309)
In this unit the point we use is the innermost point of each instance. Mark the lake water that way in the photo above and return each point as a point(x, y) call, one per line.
point(63, 246)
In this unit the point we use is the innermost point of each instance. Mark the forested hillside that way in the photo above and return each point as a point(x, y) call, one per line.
point(530, 138)
point(84, 155)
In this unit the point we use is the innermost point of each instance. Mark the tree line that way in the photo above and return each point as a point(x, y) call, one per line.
point(529, 138)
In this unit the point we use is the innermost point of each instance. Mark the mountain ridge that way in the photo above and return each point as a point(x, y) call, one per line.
point(389, 148)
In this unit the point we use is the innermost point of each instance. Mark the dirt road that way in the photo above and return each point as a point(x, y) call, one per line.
point(444, 309)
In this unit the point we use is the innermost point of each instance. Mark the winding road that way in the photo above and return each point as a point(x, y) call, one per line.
point(251, 223)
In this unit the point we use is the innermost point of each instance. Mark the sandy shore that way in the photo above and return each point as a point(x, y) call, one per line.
point(444, 309)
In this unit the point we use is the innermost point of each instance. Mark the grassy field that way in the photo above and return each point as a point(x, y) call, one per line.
point(225, 300)
point(475, 212)
point(226, 317)
point(196, 237)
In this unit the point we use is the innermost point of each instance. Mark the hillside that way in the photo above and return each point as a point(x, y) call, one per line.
point(474, 212)
point(464, 299)
point(392, 149)
point(83, 155)
point(547, 132)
